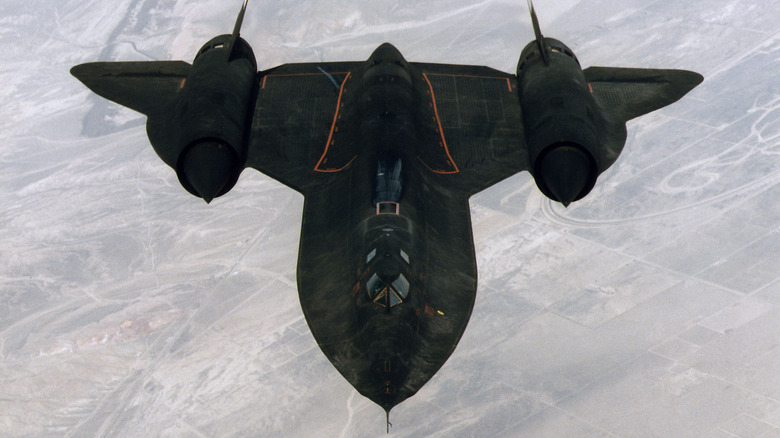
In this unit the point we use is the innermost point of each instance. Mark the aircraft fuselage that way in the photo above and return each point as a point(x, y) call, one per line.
point(389, 304)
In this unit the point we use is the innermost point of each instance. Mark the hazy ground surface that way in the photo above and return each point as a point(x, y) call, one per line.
point(649, 309)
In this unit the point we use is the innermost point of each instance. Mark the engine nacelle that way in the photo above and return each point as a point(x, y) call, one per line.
point(211, 117)
point(562, 122)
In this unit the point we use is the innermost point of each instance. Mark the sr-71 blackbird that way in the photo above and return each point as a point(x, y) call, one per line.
point(386, 153)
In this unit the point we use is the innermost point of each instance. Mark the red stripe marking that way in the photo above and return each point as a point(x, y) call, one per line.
point(332, 129)
point(441, 131)
point(337, 170)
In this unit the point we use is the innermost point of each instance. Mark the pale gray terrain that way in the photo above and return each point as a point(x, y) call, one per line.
point(129, 308)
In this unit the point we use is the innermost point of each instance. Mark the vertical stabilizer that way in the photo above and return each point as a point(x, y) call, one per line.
point(538, 33)
point(236, 31)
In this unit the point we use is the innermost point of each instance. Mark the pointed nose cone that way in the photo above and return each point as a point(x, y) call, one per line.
point(208, 169)
point(389, 425)
point(566, 174)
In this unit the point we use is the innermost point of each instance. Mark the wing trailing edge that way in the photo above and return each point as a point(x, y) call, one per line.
point(142, 86)
point(626, 93)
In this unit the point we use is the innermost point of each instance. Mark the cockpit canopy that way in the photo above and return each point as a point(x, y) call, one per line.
point(389, 181)
point(387, 269)
point(387, 294)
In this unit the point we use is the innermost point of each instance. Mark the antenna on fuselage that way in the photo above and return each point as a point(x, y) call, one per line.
point(236, 31)
point(538, 33)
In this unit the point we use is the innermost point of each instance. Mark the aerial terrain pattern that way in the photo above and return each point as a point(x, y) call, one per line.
point(649, 308)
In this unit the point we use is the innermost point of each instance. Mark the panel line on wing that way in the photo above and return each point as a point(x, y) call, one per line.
point(508, 82)
point(265, 77)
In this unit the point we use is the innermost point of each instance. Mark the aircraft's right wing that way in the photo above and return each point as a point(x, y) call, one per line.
point(626, 93)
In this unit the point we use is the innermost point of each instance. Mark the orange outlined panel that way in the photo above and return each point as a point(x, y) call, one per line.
point(440, 130)
point(305, 86)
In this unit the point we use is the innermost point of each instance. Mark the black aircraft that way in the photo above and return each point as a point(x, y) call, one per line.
point(386, 153)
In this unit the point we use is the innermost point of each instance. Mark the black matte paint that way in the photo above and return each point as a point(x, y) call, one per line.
point(332, 131)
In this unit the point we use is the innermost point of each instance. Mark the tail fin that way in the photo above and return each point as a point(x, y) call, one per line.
point(236, 31)
point(538, 33)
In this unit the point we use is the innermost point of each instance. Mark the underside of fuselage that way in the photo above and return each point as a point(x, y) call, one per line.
point(386, 154)
point(389, 303)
